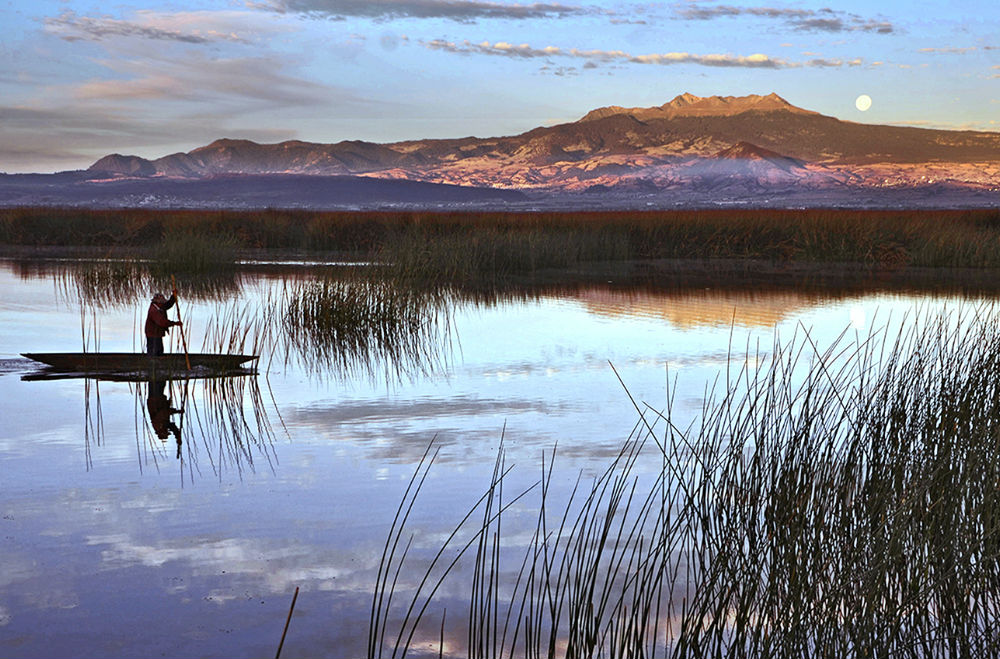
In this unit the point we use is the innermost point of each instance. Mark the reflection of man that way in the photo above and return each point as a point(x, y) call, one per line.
point(159, 409)
point(157, 323)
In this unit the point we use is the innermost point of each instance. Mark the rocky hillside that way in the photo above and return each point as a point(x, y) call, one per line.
point(762, 140)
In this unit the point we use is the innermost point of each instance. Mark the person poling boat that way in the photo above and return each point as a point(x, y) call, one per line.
point(172, 365)
point(157, 323)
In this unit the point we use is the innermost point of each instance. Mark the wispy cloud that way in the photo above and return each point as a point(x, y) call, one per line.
point(959, 51)
point(755, 61)
point(823, 63)
point(706, 12)
point(526, 51)
point(146, 104)
point(226, 81)
point(806, 20)
point(462, 11)
point(38, 137)
point(190, 27)
point(499, 48)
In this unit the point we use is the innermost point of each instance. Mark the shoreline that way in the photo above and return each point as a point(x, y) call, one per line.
point(671, 273)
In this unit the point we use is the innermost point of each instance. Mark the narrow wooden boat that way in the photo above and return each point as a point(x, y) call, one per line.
point(125, 362)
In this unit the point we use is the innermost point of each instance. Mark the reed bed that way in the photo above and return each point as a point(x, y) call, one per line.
point(190, 253)
point(104, 283)
point(353, 323)
point(491, 256)
point(834, 502)
point(124, 282)
point(365, 325)
point(876, 238)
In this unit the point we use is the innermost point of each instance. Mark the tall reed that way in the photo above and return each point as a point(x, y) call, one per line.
point(129, 281)
point(365, 325)
point(222, 428)
point(491, 255)
point(831, 502)
point(190, 253)
point(875, 238)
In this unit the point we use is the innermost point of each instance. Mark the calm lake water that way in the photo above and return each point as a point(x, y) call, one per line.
point(117, 543)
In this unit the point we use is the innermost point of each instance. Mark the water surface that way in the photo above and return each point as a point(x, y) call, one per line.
point(117, 541)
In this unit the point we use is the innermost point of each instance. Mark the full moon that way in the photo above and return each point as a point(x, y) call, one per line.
point(863, 102)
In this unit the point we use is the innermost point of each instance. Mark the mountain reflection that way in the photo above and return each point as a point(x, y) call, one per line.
point(704, 308)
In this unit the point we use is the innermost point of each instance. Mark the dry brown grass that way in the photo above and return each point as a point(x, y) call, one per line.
point(890, 239)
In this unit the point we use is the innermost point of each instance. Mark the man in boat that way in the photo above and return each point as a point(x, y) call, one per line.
point(157, 323)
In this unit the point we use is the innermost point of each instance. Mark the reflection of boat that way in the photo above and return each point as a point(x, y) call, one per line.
point(128, 362)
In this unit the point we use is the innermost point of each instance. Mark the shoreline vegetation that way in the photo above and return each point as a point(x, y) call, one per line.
point(831, 501)
point(453, 246)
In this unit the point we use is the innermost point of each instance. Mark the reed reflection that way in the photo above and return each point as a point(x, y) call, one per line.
point(223, 425)
point(365, 326)
point(121, 283)
point(219, 425)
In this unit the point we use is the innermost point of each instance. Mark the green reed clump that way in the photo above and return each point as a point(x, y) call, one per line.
point(830, 503)
point(495, 254)
point(361, 322)
point(130, 281)
point(191, 253)
point(501, 243)
point(108, 282)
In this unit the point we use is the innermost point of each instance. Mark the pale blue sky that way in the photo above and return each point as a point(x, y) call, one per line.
point(80, 79)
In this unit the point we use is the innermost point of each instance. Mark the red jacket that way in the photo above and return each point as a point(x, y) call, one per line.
point(157, 322)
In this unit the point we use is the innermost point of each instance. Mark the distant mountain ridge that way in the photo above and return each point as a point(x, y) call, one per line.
point(756, 140)
point(243, 191)
point(689, 105)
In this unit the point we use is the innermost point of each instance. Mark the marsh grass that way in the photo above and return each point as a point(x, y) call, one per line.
point(239, 328)
point(366, 324)
point(519, 241)
point(106, 282)
point(343, 322)
point(190, 253)
point(831, 502)
point(117, 282)
point(492, 255)
point(224, 428)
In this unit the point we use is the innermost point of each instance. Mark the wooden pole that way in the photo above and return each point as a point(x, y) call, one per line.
point(187, 359)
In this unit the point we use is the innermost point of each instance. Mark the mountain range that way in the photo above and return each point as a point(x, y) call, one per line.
point(718, 148)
